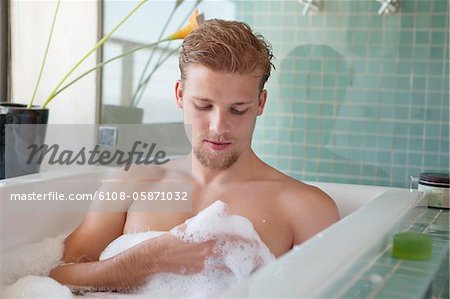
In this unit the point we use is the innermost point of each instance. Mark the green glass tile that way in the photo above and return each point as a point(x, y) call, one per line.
point(414, 274)
point(432, 145)
point(419, 83)
point(437, 53)
point(326, 167)
point(317, 21)
point(284, 150)
point(375, 37)
point(439, 21)
point(440, 247)
point(404, 68)
point(283, 164)
point(440, 6)
point(407, 21)
point(422, 21)
point(444, 159)
point(360, 289)
point(270, 121)
point(421, 51)
point(258, 134)
point(400, 283)
point(409, 6)
point(432, 213)
point(402, 83)
point(438, 38)
point(422, 37)
point(435, 83)
point(298, 136)
point(313, 109)
point(399, 158)
point(271, 135)
point(391, 295)
point(312, 139)
point(420, 67)
point(439, 235)
point(284, 136)
point(269, 149)
point(310, 165)
point(282, 121)
point(424, 266)
point(431, 161)
point(381, 268)
point(299, 122)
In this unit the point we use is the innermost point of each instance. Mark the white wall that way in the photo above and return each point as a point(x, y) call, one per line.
point(75, 34)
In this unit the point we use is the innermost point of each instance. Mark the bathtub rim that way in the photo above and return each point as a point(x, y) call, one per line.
point(275, 279)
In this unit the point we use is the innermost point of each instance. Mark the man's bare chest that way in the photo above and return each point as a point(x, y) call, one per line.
point(259, 207)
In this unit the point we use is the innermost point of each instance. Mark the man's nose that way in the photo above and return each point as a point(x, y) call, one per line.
point(219, 122)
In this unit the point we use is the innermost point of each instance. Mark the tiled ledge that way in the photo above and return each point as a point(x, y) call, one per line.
point(383, 276)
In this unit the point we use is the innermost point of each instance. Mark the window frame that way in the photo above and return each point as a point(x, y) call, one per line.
point(4, 50)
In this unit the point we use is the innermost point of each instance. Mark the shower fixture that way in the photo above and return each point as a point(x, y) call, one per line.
point(388, 7)
point(311, 6)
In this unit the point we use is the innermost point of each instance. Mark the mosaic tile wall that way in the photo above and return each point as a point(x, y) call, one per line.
point(356, 97)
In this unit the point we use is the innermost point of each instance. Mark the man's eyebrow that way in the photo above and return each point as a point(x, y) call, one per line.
point(202, 99)
point(243, 103)
point(209, 101)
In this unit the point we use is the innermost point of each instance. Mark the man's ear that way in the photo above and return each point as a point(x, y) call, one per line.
point(262, 101)
point(179, 93)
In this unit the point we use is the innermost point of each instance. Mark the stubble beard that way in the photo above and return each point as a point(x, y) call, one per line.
point(216, 160)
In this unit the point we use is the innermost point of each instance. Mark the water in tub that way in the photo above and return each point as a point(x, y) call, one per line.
point(238, 252)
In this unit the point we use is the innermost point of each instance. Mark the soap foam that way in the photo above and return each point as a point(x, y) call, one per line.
point(237, 253)
point(24, 269)
point(36, 287)
point(31, 259)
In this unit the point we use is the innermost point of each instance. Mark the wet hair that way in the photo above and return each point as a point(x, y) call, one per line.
point(229, 47)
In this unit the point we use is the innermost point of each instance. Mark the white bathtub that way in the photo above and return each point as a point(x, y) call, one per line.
point(368, 214)
point(309, 270)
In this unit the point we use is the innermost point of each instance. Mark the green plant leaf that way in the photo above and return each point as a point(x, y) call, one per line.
point(99, 65)
point(41, 71)
point(98, 45)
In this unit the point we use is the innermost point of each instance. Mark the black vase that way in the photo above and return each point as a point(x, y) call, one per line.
point(20, 128)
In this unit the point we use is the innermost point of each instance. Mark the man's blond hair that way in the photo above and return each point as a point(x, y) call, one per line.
point(229, 47)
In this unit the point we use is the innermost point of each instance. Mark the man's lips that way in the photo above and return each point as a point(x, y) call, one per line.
point(215, 145)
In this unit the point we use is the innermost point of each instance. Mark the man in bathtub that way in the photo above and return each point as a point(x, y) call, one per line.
point(224, 67)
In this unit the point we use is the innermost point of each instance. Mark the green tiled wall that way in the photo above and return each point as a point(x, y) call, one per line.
point(356, 97)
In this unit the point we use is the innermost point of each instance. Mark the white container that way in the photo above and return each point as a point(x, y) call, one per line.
point(436, 189)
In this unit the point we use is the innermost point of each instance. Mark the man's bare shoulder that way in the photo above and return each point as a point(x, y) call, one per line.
point(310, 210)
point(307, 208)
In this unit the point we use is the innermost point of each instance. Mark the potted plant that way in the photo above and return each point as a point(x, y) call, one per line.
point(24, 125)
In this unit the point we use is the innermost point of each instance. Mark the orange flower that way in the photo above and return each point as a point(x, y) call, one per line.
point(194, 20)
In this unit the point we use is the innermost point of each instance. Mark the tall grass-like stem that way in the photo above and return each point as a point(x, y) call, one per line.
point(108, 61)
point(41, 71)
point(98, 45)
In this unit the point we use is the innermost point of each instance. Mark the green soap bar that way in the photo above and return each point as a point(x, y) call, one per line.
point(412, 246)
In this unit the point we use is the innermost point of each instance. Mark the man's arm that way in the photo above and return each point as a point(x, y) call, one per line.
point(128, 269)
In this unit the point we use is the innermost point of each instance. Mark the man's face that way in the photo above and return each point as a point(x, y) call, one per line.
point(222, 110)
